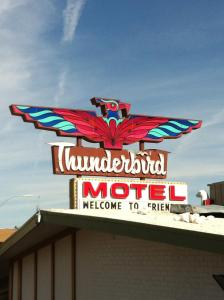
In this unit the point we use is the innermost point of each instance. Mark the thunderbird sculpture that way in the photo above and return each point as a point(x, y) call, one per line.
point(115, 128)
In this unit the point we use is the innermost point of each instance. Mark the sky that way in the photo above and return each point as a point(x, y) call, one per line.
point(165, 58)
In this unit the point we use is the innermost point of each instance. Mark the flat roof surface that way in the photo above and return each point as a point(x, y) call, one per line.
point(159, 227)
point(166, 219)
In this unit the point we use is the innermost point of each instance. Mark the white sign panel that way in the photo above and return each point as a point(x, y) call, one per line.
point(107, 194)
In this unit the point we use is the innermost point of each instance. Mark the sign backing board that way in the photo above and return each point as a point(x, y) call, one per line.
point(70, 160)
point(126, 195)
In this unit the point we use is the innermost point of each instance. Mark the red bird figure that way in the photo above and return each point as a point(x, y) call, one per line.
point(115, 128)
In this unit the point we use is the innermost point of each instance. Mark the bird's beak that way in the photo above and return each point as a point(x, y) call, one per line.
point(99, 103)
point(96, 101)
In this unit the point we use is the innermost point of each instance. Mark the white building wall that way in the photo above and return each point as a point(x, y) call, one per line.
point(28, 277)
point(63, 269)
point(115, 267)
point(44, 273)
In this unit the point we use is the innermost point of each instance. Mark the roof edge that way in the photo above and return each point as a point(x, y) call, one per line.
point(157, 233)
point(27, 227)
point(169, 235)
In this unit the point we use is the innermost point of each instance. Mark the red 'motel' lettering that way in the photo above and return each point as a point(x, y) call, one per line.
point(156, 192)
point(173, 196)
point(122, 187)
point(121, 190)
point(89, 189)
point(138, 189)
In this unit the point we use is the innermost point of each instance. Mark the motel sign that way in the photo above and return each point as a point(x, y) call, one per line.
point(113, 171)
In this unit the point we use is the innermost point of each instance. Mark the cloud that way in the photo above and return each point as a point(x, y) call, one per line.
point(215, 119)
point(71, 15)
point(6, 5)
point(60, 88)
point(199, 138)
point(27, 75)
point(14, 72)
point(204, 168)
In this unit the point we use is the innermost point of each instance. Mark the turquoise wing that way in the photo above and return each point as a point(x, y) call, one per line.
point(44, 118)
point(172, 129)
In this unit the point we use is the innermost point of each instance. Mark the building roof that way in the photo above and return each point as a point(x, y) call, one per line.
point(5, 233)
point(160, 227)
point(218, 182)
point(163, 219)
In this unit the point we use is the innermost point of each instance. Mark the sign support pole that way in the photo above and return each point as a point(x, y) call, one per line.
point(141, 148)
point(79, 144)
point(72, 193)
point(72, 190)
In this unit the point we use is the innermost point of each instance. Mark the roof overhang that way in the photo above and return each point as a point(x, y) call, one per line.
point(46, 224)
